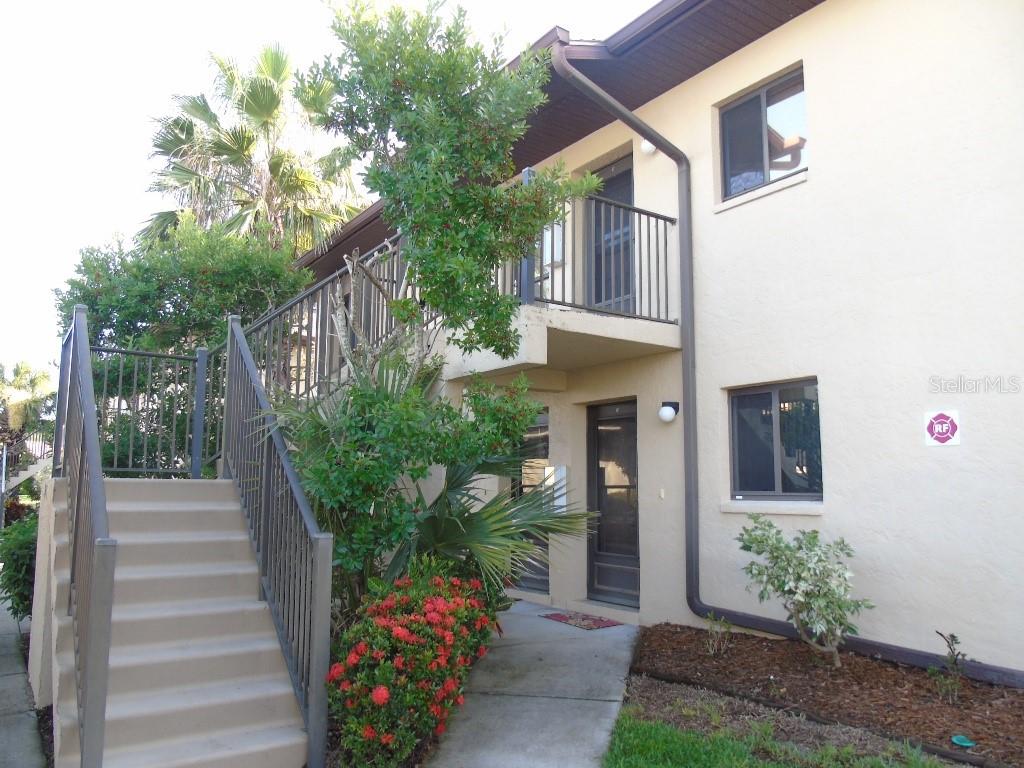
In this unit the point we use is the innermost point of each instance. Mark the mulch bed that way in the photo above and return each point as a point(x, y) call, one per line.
point(893, 700)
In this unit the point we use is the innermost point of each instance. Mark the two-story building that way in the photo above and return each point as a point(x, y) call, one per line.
point(797, 294)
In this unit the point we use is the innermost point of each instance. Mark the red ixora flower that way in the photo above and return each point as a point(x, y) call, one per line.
point(353, 659)
point(440, 728)
point(481, 651)
point(336, 671)
point(369, 733)
point(476, 584)
point(387, 739)
point(380, 695)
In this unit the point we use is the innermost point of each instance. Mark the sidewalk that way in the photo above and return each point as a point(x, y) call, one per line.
point(546, 696)
point(19, 736)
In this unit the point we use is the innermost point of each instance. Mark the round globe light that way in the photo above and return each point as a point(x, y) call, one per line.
point(667, 413)
point(647, 147)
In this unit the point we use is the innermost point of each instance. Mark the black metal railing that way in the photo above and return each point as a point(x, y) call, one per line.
point(293, 555)
point(602, 256)
point(150, 410)
point(77, 458)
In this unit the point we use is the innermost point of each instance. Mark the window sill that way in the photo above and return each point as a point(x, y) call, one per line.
point(768, 189)
point(772, 507)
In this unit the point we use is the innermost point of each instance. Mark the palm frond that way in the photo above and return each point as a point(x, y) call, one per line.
point(159, 226)
point(272, 63)
point(235, 146)
point(229, 78)
point(174, 137)
point(198, 108)
point(260, 100)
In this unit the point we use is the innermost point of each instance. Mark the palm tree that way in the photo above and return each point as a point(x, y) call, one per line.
point(237, 165)
point(26, 398)
point(501, 533)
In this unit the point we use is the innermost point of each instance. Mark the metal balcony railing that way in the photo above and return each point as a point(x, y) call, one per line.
point(601, 256)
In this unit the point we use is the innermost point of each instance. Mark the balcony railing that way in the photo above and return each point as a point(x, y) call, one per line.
point(602, 256)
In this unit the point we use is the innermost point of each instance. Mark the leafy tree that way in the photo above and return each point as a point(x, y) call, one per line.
point(437, 117)
point(174, 294)
point(233, 160)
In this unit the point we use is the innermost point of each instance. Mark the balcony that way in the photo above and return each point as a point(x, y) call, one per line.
point(600, 287)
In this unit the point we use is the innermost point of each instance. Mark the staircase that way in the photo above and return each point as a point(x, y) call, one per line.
point(196, 675)
point(24, 460)
point(22, 475)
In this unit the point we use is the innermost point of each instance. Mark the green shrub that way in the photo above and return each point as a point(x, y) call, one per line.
point(401, 666)
point(18, 555)
point(810, 578)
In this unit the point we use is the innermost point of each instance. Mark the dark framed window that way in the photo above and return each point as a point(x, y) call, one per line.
point(776, 441)
point(764, 136)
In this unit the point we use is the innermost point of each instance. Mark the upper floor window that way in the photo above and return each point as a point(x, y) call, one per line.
point(764, 136)
point(776, 441)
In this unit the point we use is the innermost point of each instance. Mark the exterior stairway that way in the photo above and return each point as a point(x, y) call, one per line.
point(197, 676)
point(30, 471)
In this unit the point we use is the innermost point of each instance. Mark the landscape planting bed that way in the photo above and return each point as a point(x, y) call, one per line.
point(893, 700)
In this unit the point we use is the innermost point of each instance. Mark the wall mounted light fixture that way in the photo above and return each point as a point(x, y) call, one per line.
point(667, 412)
point(647, 147)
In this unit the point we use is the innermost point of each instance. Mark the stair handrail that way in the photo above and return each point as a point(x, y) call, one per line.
point(293, 554)
point(76, 457)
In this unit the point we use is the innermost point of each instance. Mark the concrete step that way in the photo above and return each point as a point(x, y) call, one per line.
point(148, 489)
point(174, 583)
point(189, 581)
point(169, 548)
point(274, 745)
point(166, 516)
point(162, 621)
point(135, 668)
point(194, 711)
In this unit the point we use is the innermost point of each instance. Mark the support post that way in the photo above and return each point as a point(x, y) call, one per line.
point(97, 661)
point(199, 413)
point(320, 648)
point(226, 425)
point(64, 381)
point(528, 264)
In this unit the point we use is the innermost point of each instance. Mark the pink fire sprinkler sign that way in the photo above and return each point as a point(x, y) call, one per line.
point(942, 428)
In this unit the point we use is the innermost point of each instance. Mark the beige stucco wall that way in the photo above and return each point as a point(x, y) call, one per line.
point(897, 257)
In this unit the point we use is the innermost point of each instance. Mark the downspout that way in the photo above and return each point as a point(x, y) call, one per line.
point(691, 513)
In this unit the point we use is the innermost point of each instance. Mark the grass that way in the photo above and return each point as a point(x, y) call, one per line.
point(638, 743)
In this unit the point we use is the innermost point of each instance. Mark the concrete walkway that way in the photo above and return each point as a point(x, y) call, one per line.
point(19, 736)
point(546, 695)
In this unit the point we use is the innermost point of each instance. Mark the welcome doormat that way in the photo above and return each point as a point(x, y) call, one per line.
point(581, 620)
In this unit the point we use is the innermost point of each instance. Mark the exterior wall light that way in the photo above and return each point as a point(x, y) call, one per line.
point(667, 412)
point(647, 148)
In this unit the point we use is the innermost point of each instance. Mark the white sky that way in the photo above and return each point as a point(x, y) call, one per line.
point(84, 82)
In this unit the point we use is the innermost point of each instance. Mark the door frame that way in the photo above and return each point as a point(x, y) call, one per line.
point(605, 594)
point(623, 303)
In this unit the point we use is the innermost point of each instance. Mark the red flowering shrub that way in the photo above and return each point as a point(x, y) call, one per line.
point(402, 666)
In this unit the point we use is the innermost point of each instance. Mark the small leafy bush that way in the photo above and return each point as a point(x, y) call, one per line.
point(719, 636)
point(810, 577)
point(18, 554)
point(948, 681)
point(401, 666)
